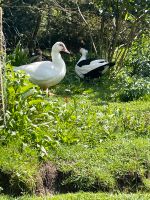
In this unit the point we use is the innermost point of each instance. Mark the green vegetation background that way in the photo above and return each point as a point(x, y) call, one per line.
point(95, 133)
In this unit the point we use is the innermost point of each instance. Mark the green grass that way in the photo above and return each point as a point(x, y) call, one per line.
point(18, 168)
point(84, 196)
point(96, 142)
point(119, 164)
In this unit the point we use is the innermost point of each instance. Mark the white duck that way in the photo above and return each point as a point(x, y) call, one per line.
point(47, 73)
point(91, 68)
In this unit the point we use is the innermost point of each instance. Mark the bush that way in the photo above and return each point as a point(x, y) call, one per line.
point(132, 87)
point(134, 79)
point(19, 56)
point(139, 57)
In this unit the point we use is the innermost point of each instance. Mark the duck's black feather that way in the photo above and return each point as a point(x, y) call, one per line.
point(85, 62)
point(95, 73)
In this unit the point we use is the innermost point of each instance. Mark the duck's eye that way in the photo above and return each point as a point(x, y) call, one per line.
point(61, 45)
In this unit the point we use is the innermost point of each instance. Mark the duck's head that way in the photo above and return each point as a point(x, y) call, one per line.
point(59, 46)
point(83, 51)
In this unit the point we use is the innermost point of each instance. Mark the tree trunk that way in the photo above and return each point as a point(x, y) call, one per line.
point(2, 98)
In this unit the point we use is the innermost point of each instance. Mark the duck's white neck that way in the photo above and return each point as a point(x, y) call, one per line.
point(83, 57)
point(57, 59)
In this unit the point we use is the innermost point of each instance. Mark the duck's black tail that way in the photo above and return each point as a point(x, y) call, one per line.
point(111, 64)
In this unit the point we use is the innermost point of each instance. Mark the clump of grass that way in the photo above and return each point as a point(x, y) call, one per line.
point(18, 168)
point(114, 165)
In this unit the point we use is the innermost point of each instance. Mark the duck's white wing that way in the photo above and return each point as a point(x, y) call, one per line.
point(97, 61)
point(39, 70)
point(84, 69)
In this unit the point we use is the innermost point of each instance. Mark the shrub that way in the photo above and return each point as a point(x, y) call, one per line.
point(139, 57)
point(19, 56)
point(132, 87)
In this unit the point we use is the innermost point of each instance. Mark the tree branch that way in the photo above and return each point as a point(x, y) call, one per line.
point(87, 26)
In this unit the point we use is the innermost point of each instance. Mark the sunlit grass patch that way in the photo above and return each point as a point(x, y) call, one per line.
point(84, 196)
point(18, 168)
point(114, 165)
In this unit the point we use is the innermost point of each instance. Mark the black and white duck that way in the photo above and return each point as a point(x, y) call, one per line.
point(91, 68)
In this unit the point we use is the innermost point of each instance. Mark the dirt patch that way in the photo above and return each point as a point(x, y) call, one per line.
point(131, 182)
point(10, 184)
point(46, 180)
point(52, 181)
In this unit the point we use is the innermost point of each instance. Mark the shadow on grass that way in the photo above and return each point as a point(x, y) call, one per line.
point(101, 89)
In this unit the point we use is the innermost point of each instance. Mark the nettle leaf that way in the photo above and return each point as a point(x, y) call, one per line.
point(37, 101)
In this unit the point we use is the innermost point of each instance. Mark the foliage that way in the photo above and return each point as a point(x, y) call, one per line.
point(139, 56)
point(25, 107)
point(31, 117)
point(132, 87)
point(134, 80)
point(105, 24)
point(19, 56)
point(73, 122)
point(20, 22)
